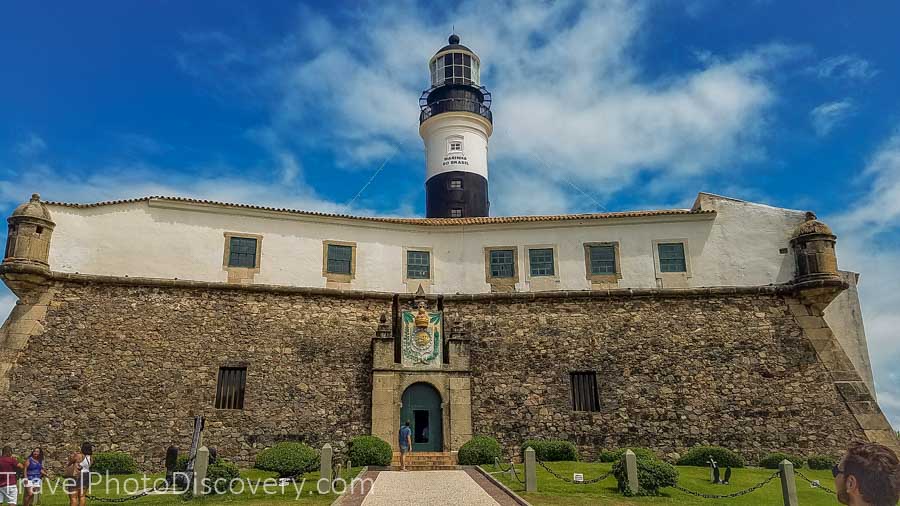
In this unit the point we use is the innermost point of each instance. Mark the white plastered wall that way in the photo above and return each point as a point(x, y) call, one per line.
point(165, 239)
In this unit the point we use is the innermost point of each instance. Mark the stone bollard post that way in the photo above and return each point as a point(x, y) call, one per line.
point(325, 462)
point(201, 463)
point(530, 470)
point(631, 471)
point(788, 485)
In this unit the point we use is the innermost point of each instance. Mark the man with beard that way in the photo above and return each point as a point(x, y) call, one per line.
point(868, 475)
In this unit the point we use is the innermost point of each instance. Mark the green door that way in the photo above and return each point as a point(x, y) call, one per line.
point(422, 408)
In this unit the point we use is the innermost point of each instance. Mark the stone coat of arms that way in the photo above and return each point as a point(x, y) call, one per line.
point(421, 337)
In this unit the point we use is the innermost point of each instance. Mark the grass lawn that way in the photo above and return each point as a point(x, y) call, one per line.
point(552, 491)
point(307, 494)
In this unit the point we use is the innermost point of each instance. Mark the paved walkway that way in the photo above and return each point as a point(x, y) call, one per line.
point(427, 488)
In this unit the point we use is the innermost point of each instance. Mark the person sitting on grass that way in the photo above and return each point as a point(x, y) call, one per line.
point(868, 475)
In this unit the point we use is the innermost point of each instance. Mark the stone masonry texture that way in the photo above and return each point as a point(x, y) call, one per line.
point(127, 367)
point(672, 373)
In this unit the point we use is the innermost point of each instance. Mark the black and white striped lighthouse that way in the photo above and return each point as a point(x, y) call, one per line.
point(455, 123)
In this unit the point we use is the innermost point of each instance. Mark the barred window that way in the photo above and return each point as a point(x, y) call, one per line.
point(541, 261)
point(671, 257)
point(242, 252)
point(456, 184)
point(418, 264)
point(340, 259)
point(584, 391)
point(502, 264)
point(230, 387)
point(603, 259)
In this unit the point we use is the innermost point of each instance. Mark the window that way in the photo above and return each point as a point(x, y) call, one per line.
point(418, 264)
point(454, 68)
point(242, 252)
point(340, 259)
point(456, 212)
point(541, 261)
point(502, 264)
point(455, 146)
point(230, 387)
point(603, 259)
point(456, 184)
point(584, 391)
point(671, 257)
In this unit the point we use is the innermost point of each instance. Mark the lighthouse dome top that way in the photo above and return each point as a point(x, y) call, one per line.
point(453, 43)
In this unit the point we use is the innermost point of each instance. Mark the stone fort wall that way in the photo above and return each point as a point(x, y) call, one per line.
point(127, 366)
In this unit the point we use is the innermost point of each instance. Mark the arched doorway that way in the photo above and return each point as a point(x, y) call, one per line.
point(421, 405)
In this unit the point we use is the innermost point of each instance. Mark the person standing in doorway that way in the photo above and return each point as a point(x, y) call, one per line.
point(405, 444)
point(9, 488)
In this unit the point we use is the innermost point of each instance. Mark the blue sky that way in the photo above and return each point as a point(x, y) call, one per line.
point(597, 106)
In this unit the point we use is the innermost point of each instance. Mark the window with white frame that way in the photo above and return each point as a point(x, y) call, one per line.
point(456, 212)
point(456, 184)
point(454, 145)
point(602, 259)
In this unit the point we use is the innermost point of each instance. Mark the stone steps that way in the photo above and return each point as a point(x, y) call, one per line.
point(425, 461)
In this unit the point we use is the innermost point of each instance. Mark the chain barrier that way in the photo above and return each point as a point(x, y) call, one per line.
point(510, 469)
point(138, 495)
point(815, 483)
point(731, 495)
point(569, 480)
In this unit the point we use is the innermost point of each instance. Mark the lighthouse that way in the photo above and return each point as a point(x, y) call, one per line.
point(455, 124)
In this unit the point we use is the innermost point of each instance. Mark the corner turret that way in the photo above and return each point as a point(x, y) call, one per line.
point(28, 240)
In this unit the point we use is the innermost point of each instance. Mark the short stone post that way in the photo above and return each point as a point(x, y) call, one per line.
point(325, 462)
point(530, 470)
point(201, 462)
point(788, 485)
point(631, 471)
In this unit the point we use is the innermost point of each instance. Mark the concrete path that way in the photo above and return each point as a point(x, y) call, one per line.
point(427, 488)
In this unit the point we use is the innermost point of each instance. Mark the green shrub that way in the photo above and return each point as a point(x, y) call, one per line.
point(821, 461)
point(113, 463)
point(653, 474)
point(699, 456)
point(614, 455)
point(772, 460)
point(220, 474)
point(479, 450)
point(288, 459)
point(551, 450)
point(370, 451)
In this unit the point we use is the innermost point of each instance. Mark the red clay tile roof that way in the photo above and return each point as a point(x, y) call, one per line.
point(407, 221)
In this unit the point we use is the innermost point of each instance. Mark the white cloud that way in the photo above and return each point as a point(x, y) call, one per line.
point(31, 146)
point(826, 116)
point(866, 244)
point(567, 82)
point(7, 301)
point(846, 66)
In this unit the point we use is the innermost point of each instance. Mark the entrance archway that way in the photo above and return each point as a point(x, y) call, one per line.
point(421, 406)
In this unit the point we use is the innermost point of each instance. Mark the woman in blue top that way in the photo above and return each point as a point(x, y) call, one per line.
point(34, 472)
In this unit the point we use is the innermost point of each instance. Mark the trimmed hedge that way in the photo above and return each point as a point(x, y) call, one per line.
point(653, 474)
point(113, 463)
point(370, 451)
point(288, 459)
point(699, 456)
point(772, 460)
point(220, 474)
point(551, 450)
point(822, 461)
point(479, 450)
point(615, 455)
